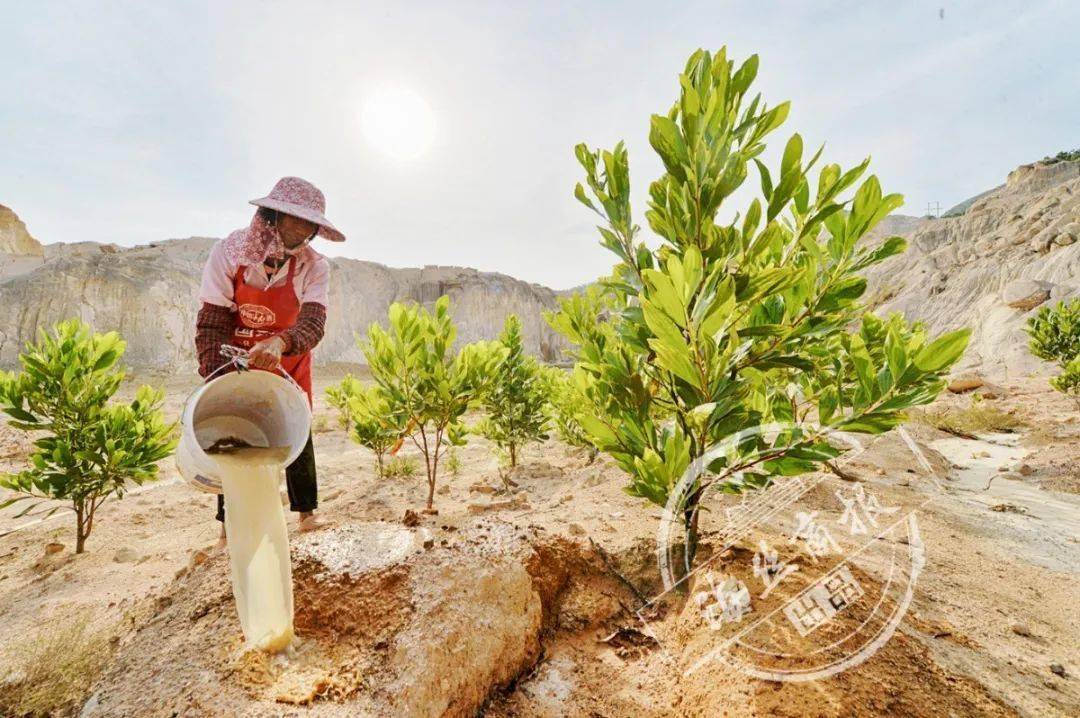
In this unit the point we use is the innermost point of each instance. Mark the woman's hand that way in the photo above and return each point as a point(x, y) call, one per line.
point(266, 354)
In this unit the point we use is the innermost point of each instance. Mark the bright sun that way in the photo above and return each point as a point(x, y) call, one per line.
point(397, 122)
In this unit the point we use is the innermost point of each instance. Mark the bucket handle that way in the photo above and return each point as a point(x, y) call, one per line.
point(238, 357)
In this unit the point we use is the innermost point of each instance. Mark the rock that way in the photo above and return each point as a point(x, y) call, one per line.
point(1007, 508)
point(443, 490)
point(576, 530)
point(411, 518)
point(126, 555)
point(198, 558)
point(518, 503)
point(1026, 470)
point(429, 543)
point(1025, 294)
point(90, 707)
point(480, 488)
point(1058, 670)
point(965, 382)
point(1021, 629)
point(14, 239)
point(53, 547)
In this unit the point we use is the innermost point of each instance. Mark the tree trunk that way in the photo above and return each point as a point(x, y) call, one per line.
point(690, 520)
point(433, 474)
point(513, 455)
point(80, 529)
point(382, 468)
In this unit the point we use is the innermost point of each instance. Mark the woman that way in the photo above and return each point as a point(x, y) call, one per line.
point(264, 289)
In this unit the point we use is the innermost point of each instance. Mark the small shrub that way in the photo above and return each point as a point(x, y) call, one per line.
point(565, 401)
point(515, 399)
point(366, 414)
point(339, 397)
point(399, 467)
point(453, 463)
point(978, 417)
point(1055, 336)
point(91, 449)
point(51, 672)
point(320, 424)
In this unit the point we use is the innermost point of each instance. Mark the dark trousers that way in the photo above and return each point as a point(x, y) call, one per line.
point(299, 480)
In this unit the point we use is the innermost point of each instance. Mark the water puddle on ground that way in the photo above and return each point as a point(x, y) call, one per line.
point(1048, 521)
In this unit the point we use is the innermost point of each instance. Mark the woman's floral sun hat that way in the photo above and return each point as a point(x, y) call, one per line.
point(302, 199)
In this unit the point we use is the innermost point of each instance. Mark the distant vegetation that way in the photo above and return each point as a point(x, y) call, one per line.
point(1055, 336)
point(1063, 156)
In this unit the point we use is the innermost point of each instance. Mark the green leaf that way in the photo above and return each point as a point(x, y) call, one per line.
point(943, 351)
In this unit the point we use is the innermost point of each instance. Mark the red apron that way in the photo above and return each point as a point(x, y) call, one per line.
point(263, 313)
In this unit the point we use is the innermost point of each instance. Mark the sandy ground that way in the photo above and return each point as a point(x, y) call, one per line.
point(994, 608)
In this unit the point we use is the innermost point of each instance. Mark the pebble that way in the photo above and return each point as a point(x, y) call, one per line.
point(1021, 629)
point(577, 530)
point(1058, 670)
point(53, 547)
point(126, 555)
point(1026, 470)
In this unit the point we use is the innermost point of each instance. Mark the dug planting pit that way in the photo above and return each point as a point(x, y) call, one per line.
point(384, 627)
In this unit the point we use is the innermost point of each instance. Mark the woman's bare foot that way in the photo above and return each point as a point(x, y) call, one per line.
point(222, 541)
point(308, 522)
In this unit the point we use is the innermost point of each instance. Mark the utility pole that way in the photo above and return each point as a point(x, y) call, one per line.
point(933, 209)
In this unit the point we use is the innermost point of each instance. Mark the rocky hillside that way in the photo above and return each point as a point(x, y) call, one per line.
point(19, 251)
point(148, 294)
point(1013, 249)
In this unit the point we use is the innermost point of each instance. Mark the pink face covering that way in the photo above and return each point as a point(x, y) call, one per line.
point(255, 244)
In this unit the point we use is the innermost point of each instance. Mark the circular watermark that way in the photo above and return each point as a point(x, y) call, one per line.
point(806, 576)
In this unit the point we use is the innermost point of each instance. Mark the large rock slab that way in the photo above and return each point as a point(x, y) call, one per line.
point(384, 626)
point(390, 621)
point(1025, 294)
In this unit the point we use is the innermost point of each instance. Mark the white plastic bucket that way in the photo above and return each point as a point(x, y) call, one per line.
point(257, 407)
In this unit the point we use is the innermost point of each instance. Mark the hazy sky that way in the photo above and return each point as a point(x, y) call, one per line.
point(131, 122)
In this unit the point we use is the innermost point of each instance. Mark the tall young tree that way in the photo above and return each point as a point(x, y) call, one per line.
point(516, 399)
point(730, 325)
point(90, 449)
point(427, 387)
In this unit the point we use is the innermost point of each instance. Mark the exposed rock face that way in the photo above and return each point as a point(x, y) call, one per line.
point(991, 268)
point(19, 252)
point(148, 294)
point(14, 239)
